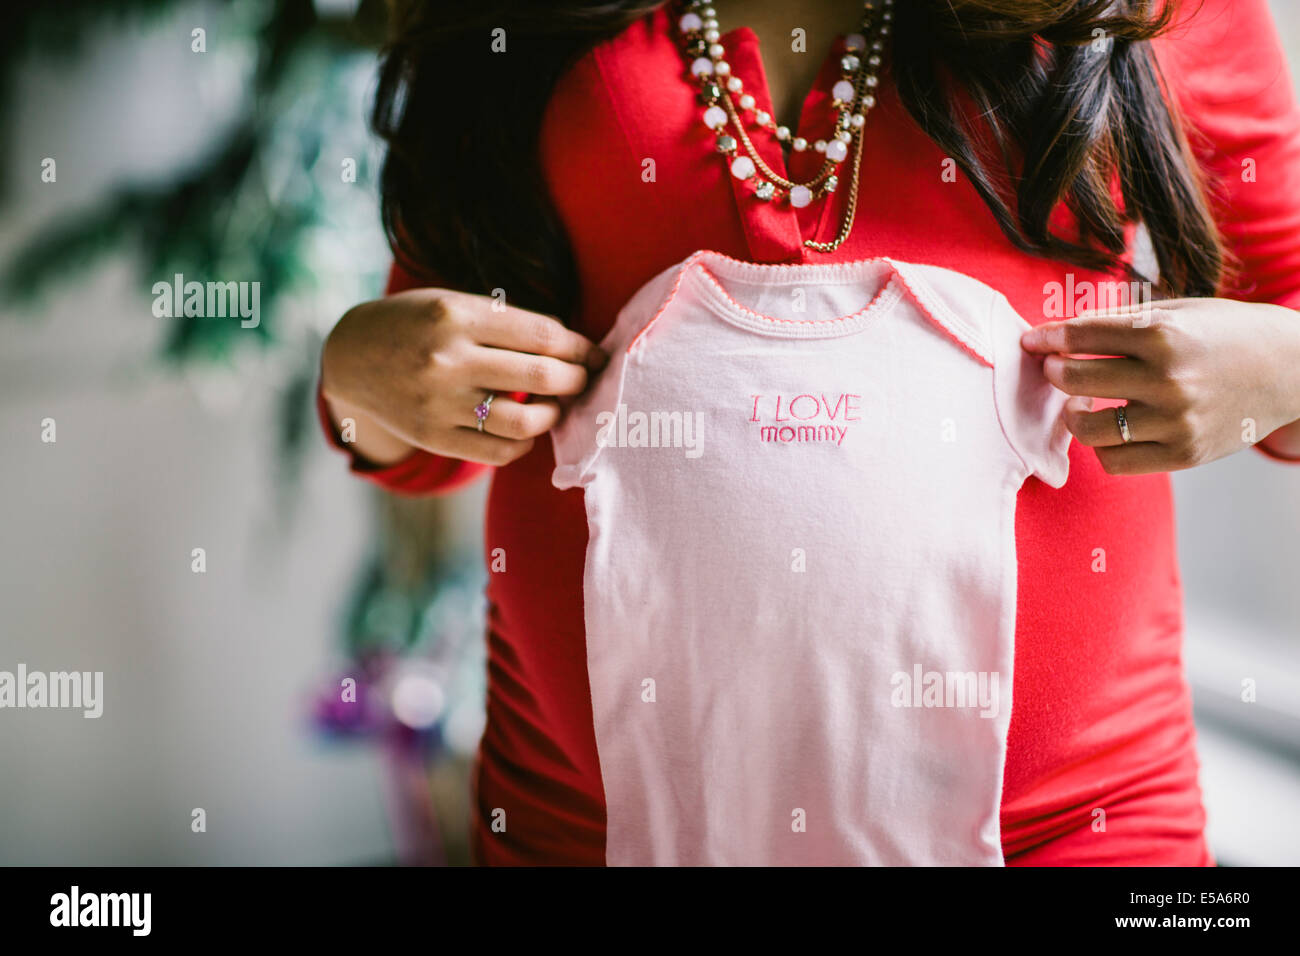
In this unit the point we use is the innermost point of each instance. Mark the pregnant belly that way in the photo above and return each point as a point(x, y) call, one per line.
point(1101, 717)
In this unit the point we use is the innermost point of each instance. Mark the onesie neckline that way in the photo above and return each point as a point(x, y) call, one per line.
point(708, 270)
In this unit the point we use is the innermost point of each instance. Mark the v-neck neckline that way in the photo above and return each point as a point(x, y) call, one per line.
point(775, 230)
point(808, 120)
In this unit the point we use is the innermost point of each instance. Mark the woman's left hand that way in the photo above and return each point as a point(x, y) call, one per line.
point(1203, 378)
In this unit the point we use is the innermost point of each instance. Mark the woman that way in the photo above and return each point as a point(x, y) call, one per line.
point(545, 163)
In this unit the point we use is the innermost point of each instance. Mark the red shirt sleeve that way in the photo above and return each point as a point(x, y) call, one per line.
point(1227, 70)
point(420, 472)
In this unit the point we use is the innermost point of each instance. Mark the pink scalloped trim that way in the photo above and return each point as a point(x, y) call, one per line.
point(672, 294)
point(876, 300)
point(948, 323)
point(935, 310)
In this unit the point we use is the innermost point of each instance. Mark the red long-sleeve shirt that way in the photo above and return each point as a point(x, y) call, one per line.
point(1102, 713)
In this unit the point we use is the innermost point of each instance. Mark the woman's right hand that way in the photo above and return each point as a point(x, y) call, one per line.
point(409, 369)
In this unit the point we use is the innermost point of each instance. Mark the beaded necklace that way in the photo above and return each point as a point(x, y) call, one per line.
point(726, 102)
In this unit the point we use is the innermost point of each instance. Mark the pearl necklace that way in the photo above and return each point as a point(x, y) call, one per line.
point(852, 95)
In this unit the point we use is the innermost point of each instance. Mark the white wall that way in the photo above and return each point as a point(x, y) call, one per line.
point(205, 674)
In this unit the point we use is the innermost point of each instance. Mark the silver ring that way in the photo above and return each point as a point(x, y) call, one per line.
point(1121, 419)
point(483, 409)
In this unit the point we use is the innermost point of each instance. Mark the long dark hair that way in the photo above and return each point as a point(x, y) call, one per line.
point(1065, 112)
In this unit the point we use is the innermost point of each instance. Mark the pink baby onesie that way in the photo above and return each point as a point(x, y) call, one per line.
point(800, 584)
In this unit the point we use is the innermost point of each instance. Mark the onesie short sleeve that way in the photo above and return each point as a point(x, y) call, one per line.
point(577, 438)
point(1029, 406)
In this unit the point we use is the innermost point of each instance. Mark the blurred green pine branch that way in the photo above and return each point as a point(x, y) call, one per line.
point(246, 210)
point(216, 218)
point(221, 217)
